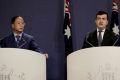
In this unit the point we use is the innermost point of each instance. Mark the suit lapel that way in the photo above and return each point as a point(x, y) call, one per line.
point(12, 41)
point(94, 38)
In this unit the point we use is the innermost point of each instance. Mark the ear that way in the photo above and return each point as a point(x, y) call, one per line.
point(95, 20)
point(107, 22)
point(24, 24)
point(12, 26)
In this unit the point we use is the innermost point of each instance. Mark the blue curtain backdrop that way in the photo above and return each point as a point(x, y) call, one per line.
point(44, 20)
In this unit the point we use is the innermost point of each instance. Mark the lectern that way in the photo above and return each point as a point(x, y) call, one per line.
point(21, 64)
point(97, 63)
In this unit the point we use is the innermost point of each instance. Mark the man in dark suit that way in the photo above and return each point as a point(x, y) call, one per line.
point(101, 36)
point(19, 39)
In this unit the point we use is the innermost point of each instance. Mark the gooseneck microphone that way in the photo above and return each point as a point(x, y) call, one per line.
point(88, 41)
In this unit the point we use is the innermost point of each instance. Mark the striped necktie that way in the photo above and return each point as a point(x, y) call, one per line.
point(18, 40)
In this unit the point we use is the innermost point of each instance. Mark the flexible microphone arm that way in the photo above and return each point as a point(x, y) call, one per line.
point(116, 41)
point(23, 43)
point(87, 40)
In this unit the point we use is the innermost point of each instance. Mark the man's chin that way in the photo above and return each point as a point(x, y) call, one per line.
point(101, 27)
point(20, 31)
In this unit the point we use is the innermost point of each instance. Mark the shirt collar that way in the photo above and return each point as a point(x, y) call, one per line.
point(18, 35)
point(102, 30)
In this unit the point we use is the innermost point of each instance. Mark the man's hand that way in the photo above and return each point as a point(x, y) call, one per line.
point(46, 55)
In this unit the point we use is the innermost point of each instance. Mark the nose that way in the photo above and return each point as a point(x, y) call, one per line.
point(22, 25)
point(101, 21)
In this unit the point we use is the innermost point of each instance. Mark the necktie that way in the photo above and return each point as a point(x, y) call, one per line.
point(99, 38)
point(18, 40)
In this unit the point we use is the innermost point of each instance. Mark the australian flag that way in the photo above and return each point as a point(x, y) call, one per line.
point(114, 26)
point(67, 29)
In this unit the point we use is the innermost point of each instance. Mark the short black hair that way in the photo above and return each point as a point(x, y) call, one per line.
point(14, 18)
point(101, 13)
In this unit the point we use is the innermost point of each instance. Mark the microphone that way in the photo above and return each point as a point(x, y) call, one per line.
point(116, 41)
point(23, 43)
point(87, 40)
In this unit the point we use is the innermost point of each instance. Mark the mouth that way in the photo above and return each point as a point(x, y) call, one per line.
point(22, 28)
point(101, 24)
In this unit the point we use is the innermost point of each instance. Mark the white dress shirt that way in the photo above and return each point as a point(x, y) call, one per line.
point(17, 35)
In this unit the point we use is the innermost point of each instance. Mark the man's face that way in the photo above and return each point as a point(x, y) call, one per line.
point(101, 21)
point(18, 25)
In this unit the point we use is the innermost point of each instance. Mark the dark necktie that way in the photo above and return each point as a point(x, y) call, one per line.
point(18, 40)
point(99, 38)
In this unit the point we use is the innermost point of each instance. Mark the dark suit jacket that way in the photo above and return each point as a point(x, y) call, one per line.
point(26, 42)
point(109, 39)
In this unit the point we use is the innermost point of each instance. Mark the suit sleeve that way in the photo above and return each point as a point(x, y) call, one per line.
point(34, 46)
point(2, 43)
point(87, 41)
point(84, 43)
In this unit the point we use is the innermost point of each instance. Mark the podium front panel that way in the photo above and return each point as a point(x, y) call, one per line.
point(99, 63)
point(21, 64)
